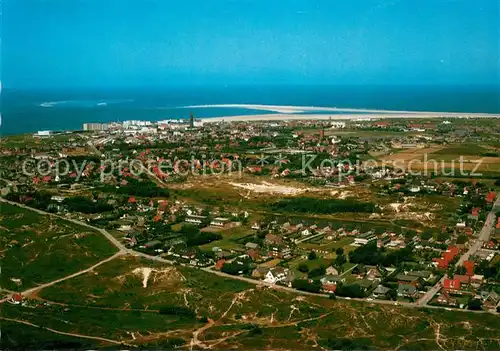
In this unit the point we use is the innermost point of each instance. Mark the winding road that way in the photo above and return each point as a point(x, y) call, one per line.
point(478, 244)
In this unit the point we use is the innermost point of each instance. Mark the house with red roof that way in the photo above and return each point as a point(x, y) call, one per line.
point(463, 279)
point(254, 254)
point(440, 262)
point(452, 284)
point(475, 212)
point(157, 218)
point(469, 267)
point(491, 245)
point(447, 257)
point(329, 288)
point(16, 298)
point(451, 253)
point(220, 264)
point(132, 200)
point(490, 197)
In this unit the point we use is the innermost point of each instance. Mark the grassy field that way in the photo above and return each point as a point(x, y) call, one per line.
point(328, 245)
point(120, 284)
point(466, 149)
point(229, 239)
point(232, 314)
point(34, 338)
point(36, 249)
point(446, 159)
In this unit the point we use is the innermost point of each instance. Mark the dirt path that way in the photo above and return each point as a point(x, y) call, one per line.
point(123, 309)
point(116, 342)
point(194, 341)
point(46, 285)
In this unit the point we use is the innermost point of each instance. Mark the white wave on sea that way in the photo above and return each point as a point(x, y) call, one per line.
point(83, 103)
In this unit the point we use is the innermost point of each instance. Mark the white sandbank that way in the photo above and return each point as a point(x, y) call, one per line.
point(299, 109)
point(337, 116)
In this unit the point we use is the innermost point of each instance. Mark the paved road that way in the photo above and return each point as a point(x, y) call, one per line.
point(484, 236)
point(123, 250)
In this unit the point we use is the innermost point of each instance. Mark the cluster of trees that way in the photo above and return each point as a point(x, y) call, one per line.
point(474, 304)
point(317, 272)
point(370, 254)
point(311, 205)
point(180, 311)
point(194, 237)
point(235, 268)
point(340, 259)
point(305, 285)
point(141, 188)
point(86, 205)
point(348, 344)
point(489, 271)
point(350, 290)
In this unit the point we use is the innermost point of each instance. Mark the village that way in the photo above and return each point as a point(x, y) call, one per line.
point(237, 199)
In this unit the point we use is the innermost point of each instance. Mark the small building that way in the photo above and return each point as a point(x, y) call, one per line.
point(407, 290)
point(409, 279)
point(220, 263)
point(332, 271)
point(260, 272)
point(463, 279)
point(331, 279)
point(220, 222)
point(152, 244)
point(329, 288)
point(424, 275)
point(251, 246)
point(365, 238)
point(276, 275)
point(452, 284)
point(380, 291)
point(469, 267)
point(272, 239)
point(256, 226)
point(194, 219)
point(16, 298)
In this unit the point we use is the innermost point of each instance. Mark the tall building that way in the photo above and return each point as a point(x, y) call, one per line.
point(95, 126)
point(322, 133)
point(191, 120)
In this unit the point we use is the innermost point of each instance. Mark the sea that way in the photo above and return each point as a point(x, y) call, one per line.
point(28, 111)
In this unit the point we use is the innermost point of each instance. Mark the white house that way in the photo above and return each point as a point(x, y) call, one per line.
point(415, 189)
point(305, 232)
point(276, 274)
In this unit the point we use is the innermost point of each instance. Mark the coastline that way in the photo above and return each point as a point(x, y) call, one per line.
point(291, 109)
point(346, 116)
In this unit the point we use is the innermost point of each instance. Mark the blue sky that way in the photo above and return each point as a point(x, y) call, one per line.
point(126, 43)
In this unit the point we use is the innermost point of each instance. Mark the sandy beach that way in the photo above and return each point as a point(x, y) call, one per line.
point(346, 116)
point(282, 109)
point(299, 113)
